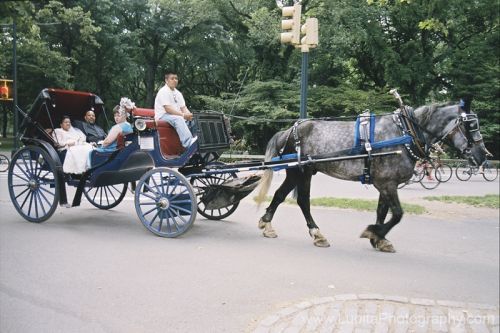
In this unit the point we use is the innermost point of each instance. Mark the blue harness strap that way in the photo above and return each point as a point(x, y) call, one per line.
point(359, 147)
point(293, 156)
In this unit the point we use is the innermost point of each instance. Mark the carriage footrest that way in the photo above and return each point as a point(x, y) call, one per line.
point(230, 192)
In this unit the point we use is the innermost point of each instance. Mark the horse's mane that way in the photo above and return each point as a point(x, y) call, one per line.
point(427, 111)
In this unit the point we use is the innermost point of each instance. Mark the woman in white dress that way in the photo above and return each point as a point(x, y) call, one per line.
point(74, 142)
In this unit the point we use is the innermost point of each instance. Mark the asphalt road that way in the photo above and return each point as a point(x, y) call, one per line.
point(87, 270)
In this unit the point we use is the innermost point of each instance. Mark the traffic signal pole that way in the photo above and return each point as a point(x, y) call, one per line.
point(303, 81)
point(292, 31)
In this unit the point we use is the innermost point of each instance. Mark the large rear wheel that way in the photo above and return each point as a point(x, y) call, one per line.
point(165, 202)
point(33, 184)
point(105, 197)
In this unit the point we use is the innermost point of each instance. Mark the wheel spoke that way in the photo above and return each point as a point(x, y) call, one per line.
point(17, 196)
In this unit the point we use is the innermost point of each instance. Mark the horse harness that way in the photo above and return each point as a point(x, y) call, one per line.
point(412, 137)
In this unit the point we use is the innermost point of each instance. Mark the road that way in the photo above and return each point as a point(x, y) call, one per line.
point(86, 270)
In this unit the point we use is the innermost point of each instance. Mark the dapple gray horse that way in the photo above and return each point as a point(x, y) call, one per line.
point(446, 123)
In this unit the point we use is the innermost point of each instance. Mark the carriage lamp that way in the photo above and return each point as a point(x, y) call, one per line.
point(140, 124)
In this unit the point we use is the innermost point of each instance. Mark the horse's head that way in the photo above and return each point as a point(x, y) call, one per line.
point(458, 129)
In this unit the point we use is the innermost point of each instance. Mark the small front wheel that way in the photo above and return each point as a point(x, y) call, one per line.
point(165, 202)
point(105, 197)
point(202, 184)
point(463, 171)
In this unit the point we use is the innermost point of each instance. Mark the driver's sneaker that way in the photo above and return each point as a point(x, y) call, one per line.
point(193, 141)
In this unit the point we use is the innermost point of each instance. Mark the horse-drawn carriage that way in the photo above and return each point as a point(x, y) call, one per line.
point(165, 200)
point(174, 184)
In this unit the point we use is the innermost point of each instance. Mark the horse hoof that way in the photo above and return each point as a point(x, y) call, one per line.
point(262, 224)
point(318, 239)
point(367, 234)
point(385, 246)
point(372, 242)
point(269, 231)
point(321, 243)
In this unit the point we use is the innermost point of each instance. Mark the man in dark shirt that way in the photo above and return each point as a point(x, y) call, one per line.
point(93, 132)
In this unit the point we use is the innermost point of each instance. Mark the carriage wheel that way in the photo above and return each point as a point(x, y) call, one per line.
point(105, 197)
point(201, 184)
point(4, 163)
point(490, 173)
point(165, 202)
point(33, 185)
point(444, 173)
point(463, 171)
point(429, 182)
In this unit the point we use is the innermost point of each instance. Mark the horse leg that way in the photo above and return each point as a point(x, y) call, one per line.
point(382, 210)
point(376, 232)
point(279, 196)
point(303, 200)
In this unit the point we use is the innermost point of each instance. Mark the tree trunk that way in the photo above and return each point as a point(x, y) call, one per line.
point(150, 84)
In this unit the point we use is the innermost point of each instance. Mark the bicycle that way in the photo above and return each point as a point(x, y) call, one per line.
point(445, 171)
point(423, 174)
point(464, 171)
point(4, 163)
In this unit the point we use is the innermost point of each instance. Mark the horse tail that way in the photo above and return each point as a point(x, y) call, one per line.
point(265, 181)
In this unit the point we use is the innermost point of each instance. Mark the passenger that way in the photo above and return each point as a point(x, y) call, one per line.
point(72, 145)
point(121, 127)
point(171, 107)
point(93, 132)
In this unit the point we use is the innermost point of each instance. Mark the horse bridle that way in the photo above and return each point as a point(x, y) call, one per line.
point(470, 126)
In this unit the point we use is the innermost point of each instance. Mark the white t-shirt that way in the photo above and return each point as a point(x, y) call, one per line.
point(167, 96)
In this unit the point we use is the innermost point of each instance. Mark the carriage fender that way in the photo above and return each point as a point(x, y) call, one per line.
point(138, 160)
point(57, 162)
point(218, 196)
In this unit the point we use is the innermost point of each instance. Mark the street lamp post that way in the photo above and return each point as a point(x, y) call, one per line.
point(14, 71)
point(14, 83)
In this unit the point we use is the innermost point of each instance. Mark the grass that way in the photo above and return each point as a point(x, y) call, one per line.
point(489, 200)
point(6, 143)
point(356, 204)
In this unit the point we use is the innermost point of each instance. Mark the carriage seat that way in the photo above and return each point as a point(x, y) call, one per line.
point(170, 145)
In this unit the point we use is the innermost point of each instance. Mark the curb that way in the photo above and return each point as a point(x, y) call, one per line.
point(381, 314)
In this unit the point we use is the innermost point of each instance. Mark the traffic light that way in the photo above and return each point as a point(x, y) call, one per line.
point(310, 32)
point(291, 26)
point(5, 90)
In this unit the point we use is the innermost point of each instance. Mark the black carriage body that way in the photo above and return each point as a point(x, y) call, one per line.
point(51, 105)
point(47, 111)
point(161, 140)
point(212, 132)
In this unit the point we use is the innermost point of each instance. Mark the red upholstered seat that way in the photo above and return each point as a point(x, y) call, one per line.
point(170, 145)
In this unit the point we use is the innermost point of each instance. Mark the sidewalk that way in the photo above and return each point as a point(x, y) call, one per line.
point(381, 314)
